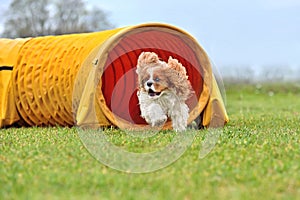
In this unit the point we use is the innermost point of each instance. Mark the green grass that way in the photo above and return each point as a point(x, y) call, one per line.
point(256, 157)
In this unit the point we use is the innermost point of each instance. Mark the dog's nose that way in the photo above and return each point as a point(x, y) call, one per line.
point(149, 84)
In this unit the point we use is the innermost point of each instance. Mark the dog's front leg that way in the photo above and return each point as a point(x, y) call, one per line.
point(154, 115)
point(179, 116)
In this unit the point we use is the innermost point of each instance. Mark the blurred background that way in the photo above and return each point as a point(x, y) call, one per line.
point(248, 41)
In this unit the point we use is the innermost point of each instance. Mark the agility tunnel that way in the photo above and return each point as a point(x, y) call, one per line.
point(64, 80)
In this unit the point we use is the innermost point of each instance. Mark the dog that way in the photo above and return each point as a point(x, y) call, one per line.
point(163, 89)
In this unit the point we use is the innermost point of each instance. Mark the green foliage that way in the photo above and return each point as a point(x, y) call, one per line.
point(256, 157)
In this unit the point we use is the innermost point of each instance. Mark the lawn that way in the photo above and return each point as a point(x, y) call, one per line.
point(257, 156)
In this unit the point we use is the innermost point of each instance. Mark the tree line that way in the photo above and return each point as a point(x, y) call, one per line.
point(31, 18)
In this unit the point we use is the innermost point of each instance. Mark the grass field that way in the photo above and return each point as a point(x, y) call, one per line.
point(256, 157)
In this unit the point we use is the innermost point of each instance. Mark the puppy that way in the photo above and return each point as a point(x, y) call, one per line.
point(163, 90)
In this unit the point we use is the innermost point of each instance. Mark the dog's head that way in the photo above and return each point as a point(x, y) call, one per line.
point(157, 77)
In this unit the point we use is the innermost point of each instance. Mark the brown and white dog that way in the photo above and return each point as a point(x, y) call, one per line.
point(163, 90)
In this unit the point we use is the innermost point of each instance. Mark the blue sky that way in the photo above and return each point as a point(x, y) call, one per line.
point(233, 32)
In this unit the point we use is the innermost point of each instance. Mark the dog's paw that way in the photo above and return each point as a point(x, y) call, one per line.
point(156, 121)
point(179, 127)
point(159, 121)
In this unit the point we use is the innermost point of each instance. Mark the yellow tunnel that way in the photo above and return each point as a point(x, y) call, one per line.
point(63, 80)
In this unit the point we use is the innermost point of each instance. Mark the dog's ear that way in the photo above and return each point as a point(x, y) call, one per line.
point(175, 65)
point(145, 59)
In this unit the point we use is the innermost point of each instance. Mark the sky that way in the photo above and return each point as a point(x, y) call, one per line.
point(233, 32)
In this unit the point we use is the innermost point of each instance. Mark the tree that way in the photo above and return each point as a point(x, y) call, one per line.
point(27, 18)
point(30, 18)
point(69, 16)
point(97, 20)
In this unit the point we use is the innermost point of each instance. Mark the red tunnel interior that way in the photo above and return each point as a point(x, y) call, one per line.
point(119, 79)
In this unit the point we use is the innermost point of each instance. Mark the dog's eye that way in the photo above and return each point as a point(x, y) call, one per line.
point(156, 79)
